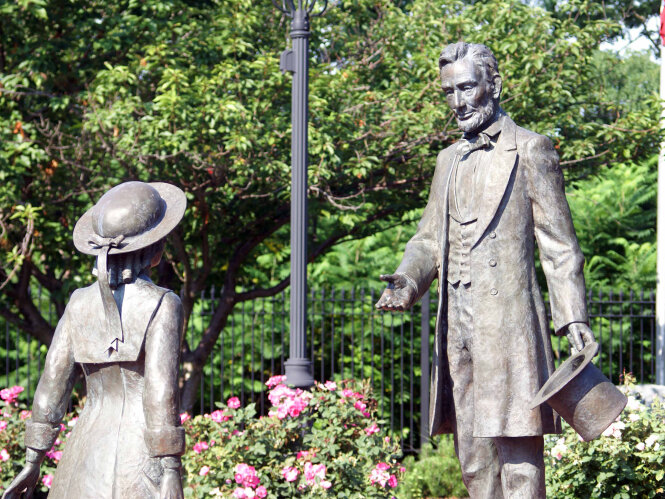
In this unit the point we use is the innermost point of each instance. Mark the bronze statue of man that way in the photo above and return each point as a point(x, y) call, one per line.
point(494, 194)
point(124, 331)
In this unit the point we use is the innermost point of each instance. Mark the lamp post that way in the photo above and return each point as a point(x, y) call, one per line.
point(295, 60)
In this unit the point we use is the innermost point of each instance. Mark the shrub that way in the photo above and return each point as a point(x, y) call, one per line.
point(435, 473)
point(321, 443)
point(627, 461)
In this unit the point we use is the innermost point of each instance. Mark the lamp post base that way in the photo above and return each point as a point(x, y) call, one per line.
point(299, 373)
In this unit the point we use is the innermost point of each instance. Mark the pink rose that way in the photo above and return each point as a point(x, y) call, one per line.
point(243, 493)
point(314, 471)
point(4, 455)
point(48, 480)
point(330, 385)
point(261, 491)
point(56, 455)
point(25, 415)
point(287, 402)
point(381, 476)
point(184, 417)
point(73, 421)
point(306, 454)
point(220, 416)
point(3, 425)
point(200, 446)
point(374, 428)
point(392, 481)
point(204, 470)
point(290, 473)
point(275, 380)
point(10, 395)
point(246, 475)
point(362, 407)
point(233, 402)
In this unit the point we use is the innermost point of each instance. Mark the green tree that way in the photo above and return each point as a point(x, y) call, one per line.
point(631, 14)
point(189, 92)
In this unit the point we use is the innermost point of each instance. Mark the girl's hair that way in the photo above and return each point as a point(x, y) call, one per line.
point(126, 267)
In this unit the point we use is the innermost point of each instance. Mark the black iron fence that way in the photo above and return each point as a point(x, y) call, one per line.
point(349, 339)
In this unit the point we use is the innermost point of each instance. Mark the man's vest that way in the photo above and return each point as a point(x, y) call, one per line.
point(464, 195)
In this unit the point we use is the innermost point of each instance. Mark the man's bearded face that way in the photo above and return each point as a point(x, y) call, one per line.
point(469, 94)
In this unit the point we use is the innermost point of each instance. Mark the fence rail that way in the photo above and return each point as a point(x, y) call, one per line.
point(349, 339)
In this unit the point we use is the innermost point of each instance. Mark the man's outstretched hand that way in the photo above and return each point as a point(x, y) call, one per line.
point(399, 295)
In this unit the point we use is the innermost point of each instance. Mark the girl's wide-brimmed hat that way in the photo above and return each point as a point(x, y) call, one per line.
point(130, 216)
point(582, 395)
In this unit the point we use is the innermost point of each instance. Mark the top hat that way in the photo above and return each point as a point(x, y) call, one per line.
point(582, 395)
point(130, 216)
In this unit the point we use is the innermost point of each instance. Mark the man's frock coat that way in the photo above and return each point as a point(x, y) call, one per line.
point(523, 201)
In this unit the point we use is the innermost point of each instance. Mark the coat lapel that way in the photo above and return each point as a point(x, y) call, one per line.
point(498, 175)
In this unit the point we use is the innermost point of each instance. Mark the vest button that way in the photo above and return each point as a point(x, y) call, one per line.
point(492, 235)
point(492, 262)
point(494, 291)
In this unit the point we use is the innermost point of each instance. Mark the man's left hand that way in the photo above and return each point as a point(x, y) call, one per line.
point(579, 335)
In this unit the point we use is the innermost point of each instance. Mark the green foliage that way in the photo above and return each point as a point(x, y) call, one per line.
point(435, 472)
point(615, 218)
point(626, 461)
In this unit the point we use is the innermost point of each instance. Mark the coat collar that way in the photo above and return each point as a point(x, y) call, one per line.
point(86, 322)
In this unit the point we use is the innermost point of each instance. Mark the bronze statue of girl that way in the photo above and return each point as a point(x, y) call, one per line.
point(125, 332)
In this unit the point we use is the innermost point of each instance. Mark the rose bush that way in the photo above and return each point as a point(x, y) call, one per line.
point(628, 460)
point(318, 443)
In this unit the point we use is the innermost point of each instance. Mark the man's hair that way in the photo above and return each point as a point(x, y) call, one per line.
point(478, 53)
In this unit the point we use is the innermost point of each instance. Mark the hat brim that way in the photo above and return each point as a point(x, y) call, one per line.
point(176, 203)
point(565, 373)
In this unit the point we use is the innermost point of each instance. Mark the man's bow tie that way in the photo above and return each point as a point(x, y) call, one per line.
point(480, 141)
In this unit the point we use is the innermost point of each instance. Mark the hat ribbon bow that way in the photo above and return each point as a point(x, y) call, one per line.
point(99, 242)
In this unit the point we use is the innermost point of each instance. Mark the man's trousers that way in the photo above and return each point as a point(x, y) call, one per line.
point(499, 467)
